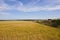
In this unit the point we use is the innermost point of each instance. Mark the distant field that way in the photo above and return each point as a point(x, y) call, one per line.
point(27, 30)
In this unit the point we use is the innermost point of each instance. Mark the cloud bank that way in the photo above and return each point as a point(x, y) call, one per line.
point(30, 5)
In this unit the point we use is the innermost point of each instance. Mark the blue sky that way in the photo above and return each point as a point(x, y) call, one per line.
point(29, 9)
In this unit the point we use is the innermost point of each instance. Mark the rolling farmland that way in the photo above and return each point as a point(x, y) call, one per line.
point(27, 30)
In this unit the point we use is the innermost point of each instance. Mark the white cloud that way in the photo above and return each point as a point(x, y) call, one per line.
point(4, 6)
point(33, 2)
point(20, 7)
point(57, 7)
point(36, 8)
point(4, 14)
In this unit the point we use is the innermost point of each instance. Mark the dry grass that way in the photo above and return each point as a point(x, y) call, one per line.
point(25, 30)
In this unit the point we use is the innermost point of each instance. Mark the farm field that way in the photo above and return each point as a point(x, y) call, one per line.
point(27, 30)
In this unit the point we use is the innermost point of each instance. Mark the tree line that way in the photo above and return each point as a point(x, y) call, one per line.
point(50, 22)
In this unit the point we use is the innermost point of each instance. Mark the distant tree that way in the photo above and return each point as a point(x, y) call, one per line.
point(54, 23)
point(58, 21)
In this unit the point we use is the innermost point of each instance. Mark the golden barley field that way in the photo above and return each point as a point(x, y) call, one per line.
point(27, 30)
